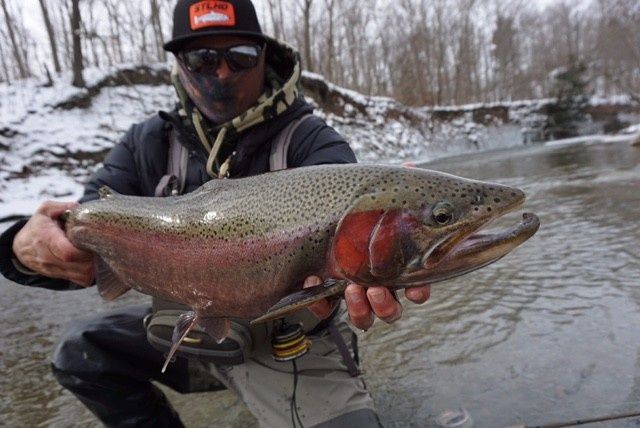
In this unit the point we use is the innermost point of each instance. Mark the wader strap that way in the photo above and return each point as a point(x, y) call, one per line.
point(172, 183)
point(344, 351)
point(280, 146)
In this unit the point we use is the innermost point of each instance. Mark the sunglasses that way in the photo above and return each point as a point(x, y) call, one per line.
point(239, 57)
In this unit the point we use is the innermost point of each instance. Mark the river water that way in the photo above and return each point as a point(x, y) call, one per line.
point(550, 333)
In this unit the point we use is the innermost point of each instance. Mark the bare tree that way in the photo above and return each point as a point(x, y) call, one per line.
point(505, 54)
point(51, 34)
point(3, 60)
point(157, 30)
point(114, 28)
point(305, 7)
point(422, 52)
point(17, 51)
point(277, 22)
point(90, 33)
point(63, 18)
point(78, 66)
point(329, 59)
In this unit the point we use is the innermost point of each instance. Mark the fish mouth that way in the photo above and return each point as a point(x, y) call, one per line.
point(470, 252)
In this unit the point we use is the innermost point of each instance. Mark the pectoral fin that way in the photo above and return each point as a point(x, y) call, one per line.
point(303, 298)
point(110, 286)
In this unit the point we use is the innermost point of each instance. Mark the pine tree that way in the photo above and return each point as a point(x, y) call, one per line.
point(570, 90)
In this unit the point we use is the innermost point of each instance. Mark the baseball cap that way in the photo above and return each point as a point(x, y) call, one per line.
point(197, 18)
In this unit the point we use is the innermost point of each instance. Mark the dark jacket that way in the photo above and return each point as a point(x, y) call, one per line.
point(137, 163)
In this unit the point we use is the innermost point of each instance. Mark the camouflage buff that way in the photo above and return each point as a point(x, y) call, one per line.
point(282, 89)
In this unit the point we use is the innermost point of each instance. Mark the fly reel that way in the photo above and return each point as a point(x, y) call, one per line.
point(289, 342)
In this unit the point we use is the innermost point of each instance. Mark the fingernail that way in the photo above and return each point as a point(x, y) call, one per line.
point(395, 316)
point(353, 296)
point(377, 296)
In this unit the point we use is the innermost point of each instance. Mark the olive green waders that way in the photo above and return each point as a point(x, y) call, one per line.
point(316, 387)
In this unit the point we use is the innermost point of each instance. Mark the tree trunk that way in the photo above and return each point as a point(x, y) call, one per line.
point(330, 59)
point(306, 12)
point(78, 67)
point(49, 79)
point(5, 67)
point(52, 36)
point(14, 44)
point(89, 48)
point(275, 23)
point(63, 19)
point(157, 30)
point(90, 32)
point(114, 31)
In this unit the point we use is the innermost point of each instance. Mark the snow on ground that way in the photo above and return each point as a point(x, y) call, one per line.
point(48, 152)
point(591, 139)
point(631, 130)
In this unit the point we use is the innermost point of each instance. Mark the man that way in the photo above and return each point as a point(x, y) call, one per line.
point(237, 92)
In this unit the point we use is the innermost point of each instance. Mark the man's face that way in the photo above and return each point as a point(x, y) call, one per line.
point(223, 92)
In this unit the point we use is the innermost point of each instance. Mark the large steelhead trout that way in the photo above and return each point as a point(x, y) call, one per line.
point(235, 248)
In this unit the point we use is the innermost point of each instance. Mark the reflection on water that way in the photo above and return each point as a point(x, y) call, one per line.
point(549, 333)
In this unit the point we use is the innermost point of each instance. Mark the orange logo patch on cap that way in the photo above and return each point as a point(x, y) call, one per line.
point(212, 14)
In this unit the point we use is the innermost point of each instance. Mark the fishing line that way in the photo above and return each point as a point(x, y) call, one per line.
point(577, 422)
point(294, 404)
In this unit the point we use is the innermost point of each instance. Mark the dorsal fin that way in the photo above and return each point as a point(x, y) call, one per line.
point(106, 192)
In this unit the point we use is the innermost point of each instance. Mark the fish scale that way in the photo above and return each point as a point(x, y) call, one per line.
point(233, 248)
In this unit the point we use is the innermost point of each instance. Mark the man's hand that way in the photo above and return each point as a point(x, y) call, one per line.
point(364, 305)
point(42, 246)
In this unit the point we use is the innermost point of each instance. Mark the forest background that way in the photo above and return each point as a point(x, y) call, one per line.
point(422, 53)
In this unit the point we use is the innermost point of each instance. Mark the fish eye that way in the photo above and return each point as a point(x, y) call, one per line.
point(442, 213)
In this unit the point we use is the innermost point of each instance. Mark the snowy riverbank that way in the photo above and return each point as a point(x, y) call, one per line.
point(48, 147)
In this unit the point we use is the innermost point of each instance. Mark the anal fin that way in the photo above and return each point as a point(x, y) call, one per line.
point(218, 328)
point(303, 298)
point(109, 285)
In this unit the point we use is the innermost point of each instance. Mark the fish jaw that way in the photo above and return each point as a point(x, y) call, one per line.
point(474, 220)
point(386, 236)
point(473, 252)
